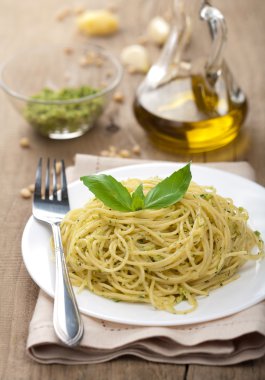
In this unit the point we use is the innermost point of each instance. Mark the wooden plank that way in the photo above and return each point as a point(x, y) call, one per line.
point(253, 370)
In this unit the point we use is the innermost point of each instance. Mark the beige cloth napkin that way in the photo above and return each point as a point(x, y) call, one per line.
point(230, 340)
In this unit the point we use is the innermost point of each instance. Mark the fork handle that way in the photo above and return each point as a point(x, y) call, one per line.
point(67, 321)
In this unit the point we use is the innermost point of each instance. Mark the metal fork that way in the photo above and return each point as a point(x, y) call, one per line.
point(50, 207)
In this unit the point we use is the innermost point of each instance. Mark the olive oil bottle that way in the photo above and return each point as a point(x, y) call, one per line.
point(189, 101)
point(186, 116)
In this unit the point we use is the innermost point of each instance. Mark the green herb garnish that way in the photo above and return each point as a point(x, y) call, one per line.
point(111, 192)
point(206, 196)
point(170, 190)
point(49, 118)
point(116, 196)
point(138, 199)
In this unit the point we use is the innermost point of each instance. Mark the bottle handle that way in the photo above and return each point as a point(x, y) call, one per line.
point(218, 31)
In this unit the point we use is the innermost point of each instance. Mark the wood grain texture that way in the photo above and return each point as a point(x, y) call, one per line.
point(252, 370)
point(30, 22)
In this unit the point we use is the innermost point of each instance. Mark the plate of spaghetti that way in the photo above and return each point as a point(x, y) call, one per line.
point(196, 260)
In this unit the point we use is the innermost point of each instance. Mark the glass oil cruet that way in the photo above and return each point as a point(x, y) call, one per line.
point(189, 101)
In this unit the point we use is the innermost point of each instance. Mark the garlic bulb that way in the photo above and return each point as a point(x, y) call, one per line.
point(136, 57)
point(158, 30)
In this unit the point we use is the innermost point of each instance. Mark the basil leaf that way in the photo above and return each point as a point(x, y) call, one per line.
point(138, 198)
point(170, 190)
point(116, 196)
point(111, 192)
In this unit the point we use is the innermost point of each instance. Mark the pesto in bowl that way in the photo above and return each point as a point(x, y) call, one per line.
point(61, 92)
point(54, 114)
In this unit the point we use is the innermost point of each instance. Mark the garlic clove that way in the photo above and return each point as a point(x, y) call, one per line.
point(136, 57)
point(158, 30)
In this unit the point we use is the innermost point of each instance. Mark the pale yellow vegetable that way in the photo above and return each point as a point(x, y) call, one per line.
point(158, 30)
point(136, 57)
point(99, 22)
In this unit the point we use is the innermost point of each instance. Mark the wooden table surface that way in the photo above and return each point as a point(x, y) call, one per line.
point(30, 22)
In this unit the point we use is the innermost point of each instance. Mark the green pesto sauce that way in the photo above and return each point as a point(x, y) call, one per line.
point(63, 118)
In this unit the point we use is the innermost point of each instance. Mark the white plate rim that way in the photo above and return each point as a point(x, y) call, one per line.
point(116, 319)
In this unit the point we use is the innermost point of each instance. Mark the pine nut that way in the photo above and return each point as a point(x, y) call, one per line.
point(25, 193)
point(24, 142)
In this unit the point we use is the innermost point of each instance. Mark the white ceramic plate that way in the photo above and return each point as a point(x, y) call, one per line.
point(248, 290)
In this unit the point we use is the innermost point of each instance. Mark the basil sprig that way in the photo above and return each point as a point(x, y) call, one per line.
point(111, 192)
point(116, 196)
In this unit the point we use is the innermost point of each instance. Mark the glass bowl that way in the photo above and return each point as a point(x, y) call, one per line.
point(61, 91)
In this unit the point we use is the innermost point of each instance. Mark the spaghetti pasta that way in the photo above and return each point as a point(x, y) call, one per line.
point(160, 256)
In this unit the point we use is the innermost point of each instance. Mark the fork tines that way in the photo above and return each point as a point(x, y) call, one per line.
point(55, 186)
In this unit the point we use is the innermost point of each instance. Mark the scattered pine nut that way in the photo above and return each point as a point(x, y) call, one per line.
point(31, 187)
point(136, 149)
point(118, 97)
point(185, 65)
point(104, 153)
point(25, 193)
point(68, 50)
point(124, 153)
point(61, 14)
point(92, 55)
point(24, 142)
point(91, 58)
point(58, 167)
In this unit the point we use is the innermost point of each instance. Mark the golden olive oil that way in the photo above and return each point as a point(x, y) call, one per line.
point(187, 115)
